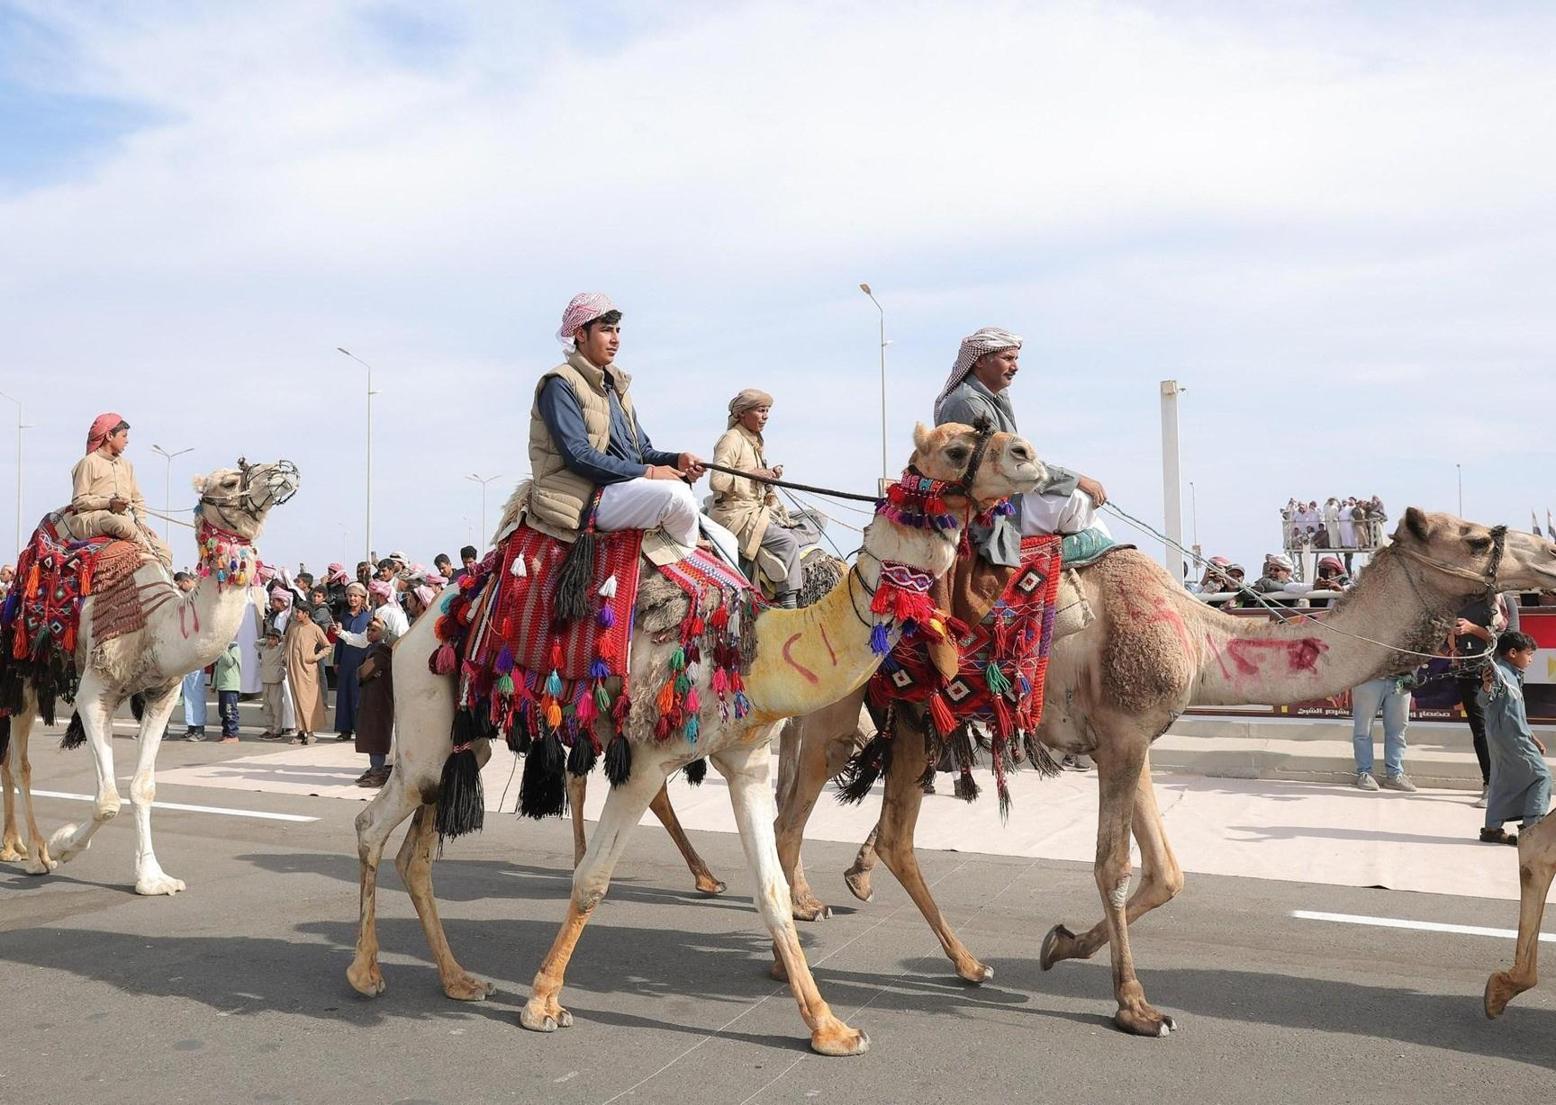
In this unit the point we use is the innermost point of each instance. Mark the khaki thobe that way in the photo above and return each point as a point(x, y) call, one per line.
point(97, 479)
point(306, 645)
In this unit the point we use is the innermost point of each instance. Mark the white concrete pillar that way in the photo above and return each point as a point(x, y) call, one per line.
point(1172, 500)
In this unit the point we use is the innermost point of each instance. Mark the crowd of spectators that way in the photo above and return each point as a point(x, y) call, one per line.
point(1353, 523)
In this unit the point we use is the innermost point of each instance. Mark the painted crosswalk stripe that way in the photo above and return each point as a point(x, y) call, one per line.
point(262, 814)
point(1420, 926)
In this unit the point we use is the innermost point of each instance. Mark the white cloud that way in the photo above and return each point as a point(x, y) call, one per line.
point(1335, 228)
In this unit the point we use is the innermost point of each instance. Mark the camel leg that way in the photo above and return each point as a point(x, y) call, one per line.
point(95, 705)
point(12, 849)
point(812, 750)
point(623, 807)
point(857, 877)
point(414, 864)
point(1161, 879)
point(149, 877)
point(748, 768)
point(1119, 779)
point(389, 807)
point(577, 791)
point(1536, 866)
point(706, 883)
point(899, 817)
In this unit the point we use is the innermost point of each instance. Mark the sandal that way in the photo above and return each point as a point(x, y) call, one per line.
point(1498, 836)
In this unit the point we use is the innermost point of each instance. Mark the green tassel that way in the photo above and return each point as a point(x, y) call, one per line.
point(505, 686)
point(996, 680)
point(678, 659)
point(602, 698)
point(682, 685)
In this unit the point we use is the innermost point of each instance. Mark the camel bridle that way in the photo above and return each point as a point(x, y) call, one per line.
point(255, 494)
point(1486, 578)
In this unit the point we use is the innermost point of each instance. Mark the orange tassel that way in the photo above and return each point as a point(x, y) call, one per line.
point(666, 700)
point(553, 714)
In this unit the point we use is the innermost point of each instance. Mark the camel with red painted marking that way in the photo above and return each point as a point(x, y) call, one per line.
point(803, 658)
point(1115, 686)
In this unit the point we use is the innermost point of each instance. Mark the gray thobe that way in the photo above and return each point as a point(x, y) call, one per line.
point(1520, 779)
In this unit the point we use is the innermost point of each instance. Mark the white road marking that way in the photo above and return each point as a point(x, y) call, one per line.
point(263, 815)
point(1422, 926)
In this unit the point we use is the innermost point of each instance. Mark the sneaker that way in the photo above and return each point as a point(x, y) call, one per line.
point(343, 736)
point(1480, 803)
point(1365, 781)
point(267, 735)
point(194, 735)
point(1399, 782)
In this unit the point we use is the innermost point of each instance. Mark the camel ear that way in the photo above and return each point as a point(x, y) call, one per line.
point(199, 484)
point(1416, 524)
point(921, 434)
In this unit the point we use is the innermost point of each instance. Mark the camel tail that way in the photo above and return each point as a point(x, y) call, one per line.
point(75, 733)
point(461, 804)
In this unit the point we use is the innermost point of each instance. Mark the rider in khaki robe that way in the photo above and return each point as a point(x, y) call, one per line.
point(105, 500)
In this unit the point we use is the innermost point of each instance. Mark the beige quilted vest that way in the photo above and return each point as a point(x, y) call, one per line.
point(557, 495)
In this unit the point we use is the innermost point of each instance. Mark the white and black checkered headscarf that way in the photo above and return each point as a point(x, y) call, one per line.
point(990, 339)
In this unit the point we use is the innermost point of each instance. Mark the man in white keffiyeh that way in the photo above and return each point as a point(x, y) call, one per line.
point(978, 387)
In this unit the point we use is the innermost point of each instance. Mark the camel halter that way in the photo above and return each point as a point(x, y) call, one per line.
point(1488, 577)
point(278, 484)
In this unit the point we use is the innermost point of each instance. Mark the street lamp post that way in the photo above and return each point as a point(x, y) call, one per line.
point(367, 536)
point(1459, 468)
point(483, 481)
point(865, 288)
point(19, 429)
point(167, 488)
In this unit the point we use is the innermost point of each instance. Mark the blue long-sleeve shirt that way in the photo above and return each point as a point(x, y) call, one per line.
point(627, 453)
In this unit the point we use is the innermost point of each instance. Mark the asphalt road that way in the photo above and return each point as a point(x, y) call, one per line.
point(234, 991)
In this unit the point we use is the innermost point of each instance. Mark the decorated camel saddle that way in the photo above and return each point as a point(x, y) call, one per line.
point(540, 635)
point(40, 622)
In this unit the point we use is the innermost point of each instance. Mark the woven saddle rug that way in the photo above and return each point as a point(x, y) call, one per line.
point(544, 680)
point(997, 680)
point(40, 621)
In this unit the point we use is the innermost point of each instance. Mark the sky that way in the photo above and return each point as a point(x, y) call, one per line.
point(1334, 225)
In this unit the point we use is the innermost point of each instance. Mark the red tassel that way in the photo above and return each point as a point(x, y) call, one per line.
point(446, 660)
point(940, 713)
point(1001, 715)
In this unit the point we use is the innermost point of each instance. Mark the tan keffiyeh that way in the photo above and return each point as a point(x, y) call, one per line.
point(747, 400)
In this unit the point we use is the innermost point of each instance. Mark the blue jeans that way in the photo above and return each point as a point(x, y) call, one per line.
point(227, 704)
point(194, 699)
point(1365, 703)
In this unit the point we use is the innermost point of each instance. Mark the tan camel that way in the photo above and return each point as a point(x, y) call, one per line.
point(183, 633)
point(1118, 684)
point(804, 658)
point(1536, 865)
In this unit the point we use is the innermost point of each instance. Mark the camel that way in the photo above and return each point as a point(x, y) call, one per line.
point(803, 658)
point(182, 633)
point(1118, 684)
point(1536, 866)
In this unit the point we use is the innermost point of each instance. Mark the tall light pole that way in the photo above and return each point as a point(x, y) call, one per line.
point(167, 488)
point(483, 481)
point(1459, 468)
point(19, 429)
point(1172, 500)
point(367, 536)
point(865, 288)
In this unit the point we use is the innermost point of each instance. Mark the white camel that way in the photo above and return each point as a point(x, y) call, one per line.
point(182, 633)
point(804, 658)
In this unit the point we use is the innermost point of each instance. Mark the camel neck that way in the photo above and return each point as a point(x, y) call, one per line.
point(1248, 661)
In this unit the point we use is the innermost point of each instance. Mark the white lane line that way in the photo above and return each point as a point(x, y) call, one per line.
point(263, 815)
point(1421, 926)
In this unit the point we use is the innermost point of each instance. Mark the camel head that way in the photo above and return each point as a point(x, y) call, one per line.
point(1008, 464)
point(1527, 562)
point(238, 499)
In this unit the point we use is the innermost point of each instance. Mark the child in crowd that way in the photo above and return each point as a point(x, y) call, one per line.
point(272, 677)
point(1520, 780)
point(375, 712)
point(228, 680)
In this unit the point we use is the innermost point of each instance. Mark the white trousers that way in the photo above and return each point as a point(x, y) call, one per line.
point(1072, 513)
point(650, 504)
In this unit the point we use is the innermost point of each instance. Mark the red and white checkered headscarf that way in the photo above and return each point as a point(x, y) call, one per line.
point(584, 309)
point(990, 339)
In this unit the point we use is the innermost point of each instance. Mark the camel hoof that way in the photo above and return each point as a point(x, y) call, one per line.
point(153, 885)
point(12, 853)
point(710, 886)
point(811, 910)
point(858, 883)
point(839, 1040)
point(468, 988)
point(1499, 991)
point(1145, 1022)
point(541, 1021)
point(367, 981)
point(977, 973)
point(1050, 952)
